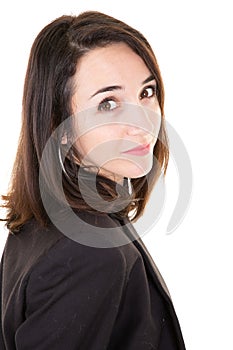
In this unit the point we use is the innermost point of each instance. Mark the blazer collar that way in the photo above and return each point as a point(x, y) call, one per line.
point(137, 241)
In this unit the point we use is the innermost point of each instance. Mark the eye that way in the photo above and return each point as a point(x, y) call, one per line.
point(107, 104)
point(148, 92)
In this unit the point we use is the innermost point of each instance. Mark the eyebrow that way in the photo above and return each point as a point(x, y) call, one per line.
point(147, 80)
point(118, 87)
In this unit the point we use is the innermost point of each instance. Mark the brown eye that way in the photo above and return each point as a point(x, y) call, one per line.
point(107, 105)
point(148, 92)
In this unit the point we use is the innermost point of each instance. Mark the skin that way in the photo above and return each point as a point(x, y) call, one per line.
point(116, 110)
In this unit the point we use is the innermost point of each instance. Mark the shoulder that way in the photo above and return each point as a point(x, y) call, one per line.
point(70, 259)
point(71, 268)
point(69, 253)
point(60, 281)
point(40, 249)
point(43, 254)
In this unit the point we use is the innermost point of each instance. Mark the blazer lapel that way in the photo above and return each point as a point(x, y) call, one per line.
point(135, 238)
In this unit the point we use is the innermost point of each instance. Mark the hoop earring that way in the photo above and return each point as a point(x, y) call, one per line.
point(128, 184)
point(61, 162)
point(130, 187)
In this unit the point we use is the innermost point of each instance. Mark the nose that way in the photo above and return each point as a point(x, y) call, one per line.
point(134, 130)
point(139, 120)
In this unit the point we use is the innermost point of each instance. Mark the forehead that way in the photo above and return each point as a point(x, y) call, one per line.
point(114, 63)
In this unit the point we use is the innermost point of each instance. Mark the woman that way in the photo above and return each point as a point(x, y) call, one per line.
point(75, 274)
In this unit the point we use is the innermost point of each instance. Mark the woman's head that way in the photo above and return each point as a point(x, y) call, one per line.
point(65, 77)
point(116, 111)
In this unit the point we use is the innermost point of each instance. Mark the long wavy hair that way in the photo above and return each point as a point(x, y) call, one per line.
point(48, 90)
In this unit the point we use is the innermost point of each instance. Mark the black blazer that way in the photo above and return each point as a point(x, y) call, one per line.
point(60, 294)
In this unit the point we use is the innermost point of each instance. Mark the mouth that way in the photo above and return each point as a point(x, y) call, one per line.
point(141, 150)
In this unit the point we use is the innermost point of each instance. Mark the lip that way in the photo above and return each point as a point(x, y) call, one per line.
point(141, 150)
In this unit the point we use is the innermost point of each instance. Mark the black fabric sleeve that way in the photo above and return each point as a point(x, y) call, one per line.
point(140, 320)
point(72, 298)
point(2, 346)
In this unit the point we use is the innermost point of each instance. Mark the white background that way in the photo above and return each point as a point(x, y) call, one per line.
point(193, 43)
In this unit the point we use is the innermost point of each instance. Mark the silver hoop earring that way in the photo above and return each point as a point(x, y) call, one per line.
point(130, 188)
point(127, 183)
point(61, 161)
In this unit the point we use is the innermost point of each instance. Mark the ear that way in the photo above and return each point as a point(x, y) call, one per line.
point(64, 139)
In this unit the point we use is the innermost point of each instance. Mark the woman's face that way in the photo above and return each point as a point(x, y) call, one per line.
point(117, 114)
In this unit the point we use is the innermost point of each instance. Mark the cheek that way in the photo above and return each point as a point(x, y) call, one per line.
point(105, 139)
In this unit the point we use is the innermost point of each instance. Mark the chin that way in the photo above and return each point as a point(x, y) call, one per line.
point(129, 169)
point(136, 174)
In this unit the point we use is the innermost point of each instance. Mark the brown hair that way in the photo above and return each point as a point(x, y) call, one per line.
point(48, 91)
